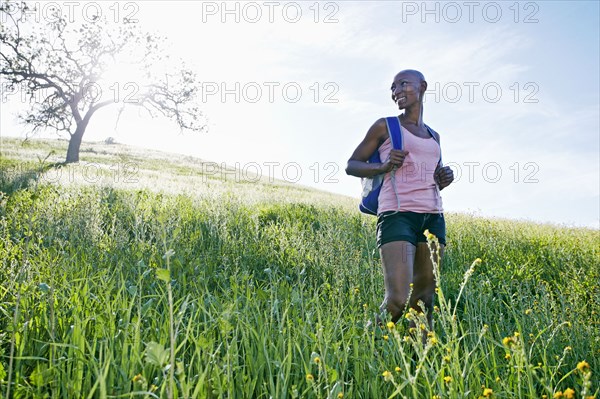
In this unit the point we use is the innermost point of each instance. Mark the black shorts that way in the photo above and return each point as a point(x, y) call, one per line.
point(409, 226)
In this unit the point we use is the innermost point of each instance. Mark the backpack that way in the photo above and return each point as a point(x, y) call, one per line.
point(372, 185)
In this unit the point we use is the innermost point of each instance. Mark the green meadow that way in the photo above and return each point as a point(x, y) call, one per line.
point(146, 277)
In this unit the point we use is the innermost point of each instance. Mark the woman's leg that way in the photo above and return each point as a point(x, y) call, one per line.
point(423, 279)
point(398, 259)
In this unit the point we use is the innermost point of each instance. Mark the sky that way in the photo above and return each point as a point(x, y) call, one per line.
point(289, 89)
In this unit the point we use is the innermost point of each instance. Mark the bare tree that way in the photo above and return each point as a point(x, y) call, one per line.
point(61, 65)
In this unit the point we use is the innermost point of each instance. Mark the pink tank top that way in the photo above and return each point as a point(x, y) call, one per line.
point(415, 185)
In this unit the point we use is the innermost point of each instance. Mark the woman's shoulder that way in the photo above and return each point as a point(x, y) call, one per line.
point(379, 130)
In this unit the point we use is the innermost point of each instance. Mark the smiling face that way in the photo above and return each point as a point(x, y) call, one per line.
point(408, 88)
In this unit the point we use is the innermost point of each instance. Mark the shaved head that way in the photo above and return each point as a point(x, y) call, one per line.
point(414, 73)
point(409, 77)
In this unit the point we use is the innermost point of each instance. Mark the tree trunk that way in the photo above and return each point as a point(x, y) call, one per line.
point(75, 143)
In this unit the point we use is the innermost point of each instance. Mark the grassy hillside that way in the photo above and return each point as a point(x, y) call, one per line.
point(184, 284)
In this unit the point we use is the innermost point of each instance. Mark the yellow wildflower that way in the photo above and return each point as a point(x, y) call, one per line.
point(340, 395)
point(317, 360)
point(558, 395)
point(447, 379)
point(387, 375)
point(497, 379)
point(569, 393)
point(398, 369)
point(487, 392)
point(385, 337)
point(583, 366)
point(310, 377)
point(406, 338)
point(447, 359)
point(390, 324)
point(507, 356)
point(137, 378)
point(429, 235)
point(528, 311)
point(506, 341)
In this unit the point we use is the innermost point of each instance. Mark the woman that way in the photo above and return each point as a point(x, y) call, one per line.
point(419, 177)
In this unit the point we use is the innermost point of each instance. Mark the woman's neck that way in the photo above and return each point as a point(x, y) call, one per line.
point(413, 116)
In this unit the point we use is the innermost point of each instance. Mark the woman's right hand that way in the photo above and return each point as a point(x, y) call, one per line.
point(395, 160)
point(358, 165)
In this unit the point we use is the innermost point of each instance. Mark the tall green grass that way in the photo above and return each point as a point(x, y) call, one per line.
point(109, 292)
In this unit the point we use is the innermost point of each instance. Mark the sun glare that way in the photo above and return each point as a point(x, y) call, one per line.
point(121, 73)
point(120, 82)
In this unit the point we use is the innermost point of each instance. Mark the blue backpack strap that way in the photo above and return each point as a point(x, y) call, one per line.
point(393, 125)
point(436, 137)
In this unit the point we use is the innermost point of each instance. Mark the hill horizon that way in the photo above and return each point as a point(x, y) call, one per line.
point(124, 160)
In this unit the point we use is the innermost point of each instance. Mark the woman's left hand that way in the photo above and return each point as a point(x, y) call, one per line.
point(443, 176)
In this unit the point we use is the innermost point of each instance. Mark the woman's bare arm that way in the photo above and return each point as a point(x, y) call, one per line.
point(358, 165)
